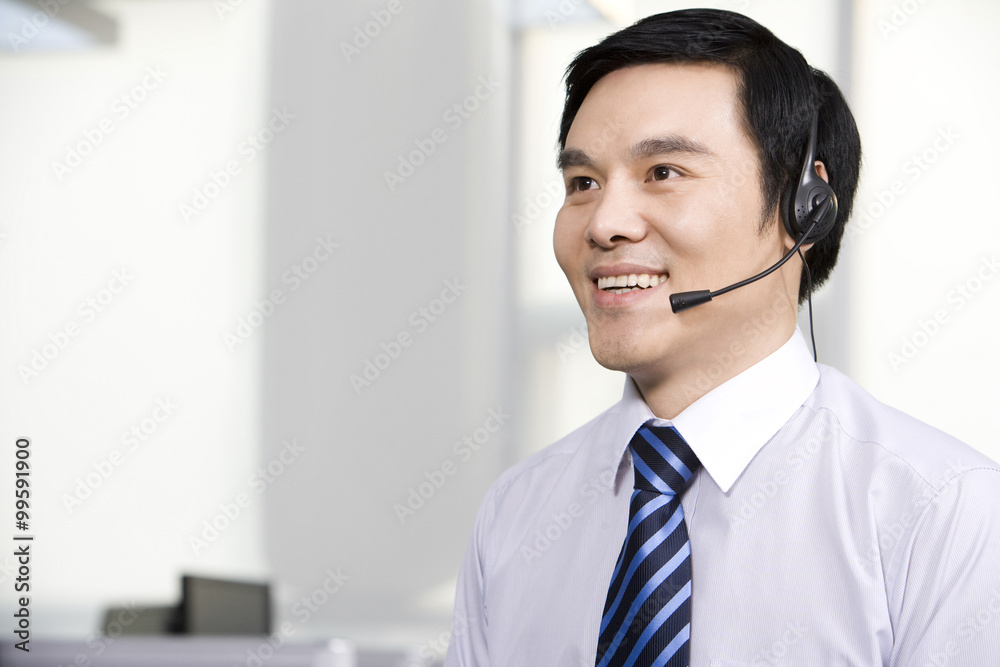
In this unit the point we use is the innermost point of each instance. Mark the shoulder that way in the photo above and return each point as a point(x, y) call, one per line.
point(927, 493)
point(900, 442)
point(549, 463)
point(548, 474)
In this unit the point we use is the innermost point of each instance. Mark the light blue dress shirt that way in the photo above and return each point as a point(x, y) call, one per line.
point(826, 529)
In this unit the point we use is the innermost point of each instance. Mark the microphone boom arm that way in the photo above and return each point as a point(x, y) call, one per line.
point(684, 300)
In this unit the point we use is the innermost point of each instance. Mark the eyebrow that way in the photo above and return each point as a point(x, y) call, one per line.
point(647, 148)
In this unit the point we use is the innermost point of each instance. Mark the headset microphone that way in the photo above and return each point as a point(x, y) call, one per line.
point(809, 215)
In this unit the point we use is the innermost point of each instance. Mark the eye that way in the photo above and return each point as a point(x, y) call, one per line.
point(581, 184)
point(663, 172)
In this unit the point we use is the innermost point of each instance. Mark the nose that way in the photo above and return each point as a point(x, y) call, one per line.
point(616, 219)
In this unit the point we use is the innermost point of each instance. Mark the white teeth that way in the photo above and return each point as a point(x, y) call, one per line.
point(630, 281)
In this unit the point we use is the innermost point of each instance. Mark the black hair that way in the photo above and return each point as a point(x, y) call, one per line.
point(779, 93)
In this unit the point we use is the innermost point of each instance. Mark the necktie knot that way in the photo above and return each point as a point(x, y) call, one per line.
point(663, 461)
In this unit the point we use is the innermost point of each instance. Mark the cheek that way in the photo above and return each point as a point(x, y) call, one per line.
point(687, 227)
point(566, 241)
point(707, 225)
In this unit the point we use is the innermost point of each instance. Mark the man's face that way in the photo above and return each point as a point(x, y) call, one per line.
point(662, 181)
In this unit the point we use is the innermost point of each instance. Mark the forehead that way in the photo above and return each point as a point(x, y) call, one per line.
point(695, 101)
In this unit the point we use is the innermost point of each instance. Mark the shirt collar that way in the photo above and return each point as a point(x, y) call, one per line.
point(756, 404)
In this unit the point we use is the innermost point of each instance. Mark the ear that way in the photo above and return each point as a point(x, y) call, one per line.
point(821, 170)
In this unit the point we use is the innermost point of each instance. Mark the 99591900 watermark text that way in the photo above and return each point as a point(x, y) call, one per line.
point(22, 543)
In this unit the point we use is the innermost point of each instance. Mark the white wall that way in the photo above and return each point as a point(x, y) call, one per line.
point(375, 437)
point(160, 337)
point(216, 321)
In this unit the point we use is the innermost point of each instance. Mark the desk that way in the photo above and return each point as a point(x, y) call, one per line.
point(201, 652)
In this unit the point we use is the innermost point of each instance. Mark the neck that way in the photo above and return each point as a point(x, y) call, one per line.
point(670, 392)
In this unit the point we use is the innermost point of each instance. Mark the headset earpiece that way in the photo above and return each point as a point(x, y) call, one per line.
point(809, 192)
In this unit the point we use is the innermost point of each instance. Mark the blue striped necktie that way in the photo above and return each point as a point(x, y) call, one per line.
point(647, 616)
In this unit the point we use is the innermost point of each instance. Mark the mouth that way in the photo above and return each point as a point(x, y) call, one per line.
point(630, 282)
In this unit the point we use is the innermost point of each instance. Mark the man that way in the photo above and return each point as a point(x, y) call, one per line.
point(741, 505)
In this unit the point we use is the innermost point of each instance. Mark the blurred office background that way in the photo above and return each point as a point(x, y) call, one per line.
point(240, 349)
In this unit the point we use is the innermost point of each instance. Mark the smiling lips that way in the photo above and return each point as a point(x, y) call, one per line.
point(629, 282)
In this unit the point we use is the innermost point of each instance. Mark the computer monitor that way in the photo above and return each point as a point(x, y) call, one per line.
point(224, 607)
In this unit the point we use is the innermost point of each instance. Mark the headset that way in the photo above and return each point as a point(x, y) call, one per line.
point(810, 192)
point(809, 215)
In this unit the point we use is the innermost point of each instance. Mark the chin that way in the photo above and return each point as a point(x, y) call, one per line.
point(620, 354)
point(628, 342)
